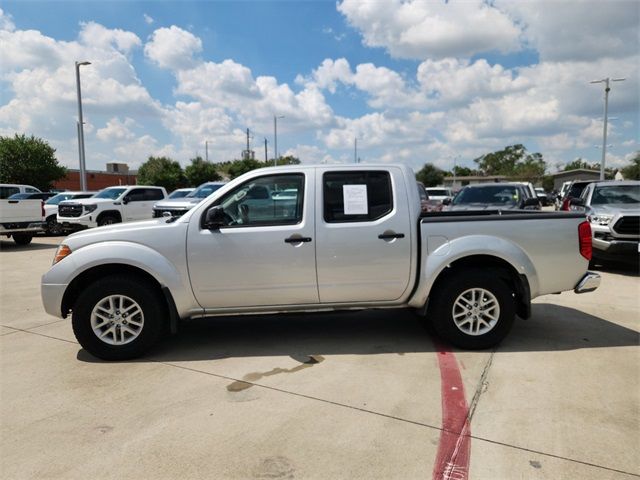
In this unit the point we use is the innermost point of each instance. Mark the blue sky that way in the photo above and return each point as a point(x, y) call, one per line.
point(414, 81)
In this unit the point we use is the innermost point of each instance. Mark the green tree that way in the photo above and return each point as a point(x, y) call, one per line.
point(632, 171)
point(463, 171)
point(29, 160)
point(576, 164)
point(513, 161)
point(430, 175)
point(238, 167)
point(288, 160)
point(201, 171)
point(163, 172)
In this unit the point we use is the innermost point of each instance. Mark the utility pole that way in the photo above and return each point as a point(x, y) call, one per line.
point(275, 139)
point(206, 150)
point(83, 173)
point(247, 139)
point(265, 151)
point(355, 150)
point(606, 111)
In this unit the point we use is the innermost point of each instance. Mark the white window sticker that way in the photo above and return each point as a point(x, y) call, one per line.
point(355, 199)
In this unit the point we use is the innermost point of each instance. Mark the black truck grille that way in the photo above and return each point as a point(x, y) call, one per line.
point(70, 210)
point(628, 226)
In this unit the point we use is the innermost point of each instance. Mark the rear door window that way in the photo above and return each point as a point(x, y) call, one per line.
point(356, 196)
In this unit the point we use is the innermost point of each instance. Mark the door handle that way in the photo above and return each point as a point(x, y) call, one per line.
point(389, 236)
point(297, 239)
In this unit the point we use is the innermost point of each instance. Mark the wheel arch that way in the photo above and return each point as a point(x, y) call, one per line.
point(92, 274)
point(109, 213)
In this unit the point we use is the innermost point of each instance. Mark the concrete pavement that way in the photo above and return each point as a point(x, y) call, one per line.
point(355, 395)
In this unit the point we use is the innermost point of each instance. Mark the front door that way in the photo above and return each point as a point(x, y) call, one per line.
point(265, 252)
point(363, 235)
point(139, 205)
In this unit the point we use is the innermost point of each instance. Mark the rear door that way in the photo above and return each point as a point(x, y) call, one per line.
point(140, 203)
point(363, 235)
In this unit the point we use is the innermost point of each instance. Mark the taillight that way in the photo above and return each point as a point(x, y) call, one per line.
point(584, 236)
point(565, 204)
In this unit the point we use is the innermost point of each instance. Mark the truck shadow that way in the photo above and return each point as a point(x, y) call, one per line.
point(551, 328)
point(11, 246)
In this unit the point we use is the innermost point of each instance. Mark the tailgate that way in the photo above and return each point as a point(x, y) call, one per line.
point(19, 211)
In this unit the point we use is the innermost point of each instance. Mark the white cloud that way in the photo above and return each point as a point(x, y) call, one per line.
point(578, 29)
point(95, 35)
point(419, 30)
point(173, 48)
point(116, 130)
point(148, 19)
point(6, 22)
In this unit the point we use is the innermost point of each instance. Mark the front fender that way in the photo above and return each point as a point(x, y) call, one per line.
point(168, 274)
point(441, 252)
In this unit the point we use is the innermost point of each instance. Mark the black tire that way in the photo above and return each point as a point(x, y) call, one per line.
point(148, 298)
point(53, 227)
point(451, 288)
point(22, 238)
point(108, 220)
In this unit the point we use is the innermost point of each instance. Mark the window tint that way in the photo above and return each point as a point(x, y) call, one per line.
point(264, 201)
point(153, 194)
point(136, 195)
point(31, 190)
point(356, 196)
point(6, 192)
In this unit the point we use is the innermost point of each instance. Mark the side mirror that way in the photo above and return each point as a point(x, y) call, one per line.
point(125, 200)
point(215, 218)
point(446, 201)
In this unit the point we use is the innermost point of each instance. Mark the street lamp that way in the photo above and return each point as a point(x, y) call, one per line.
point(83, 174)
point(275, 139)
point(606, 107)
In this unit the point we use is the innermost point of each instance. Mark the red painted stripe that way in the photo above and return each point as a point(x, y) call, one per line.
point(454, 448)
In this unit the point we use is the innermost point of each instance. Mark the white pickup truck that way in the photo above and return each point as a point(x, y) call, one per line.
point(111, 205)
point(324, 238)
point(21, 219)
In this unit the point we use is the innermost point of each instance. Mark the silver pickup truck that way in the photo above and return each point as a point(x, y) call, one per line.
point(313, 238)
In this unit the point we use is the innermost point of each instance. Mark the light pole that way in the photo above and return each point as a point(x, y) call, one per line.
point(355, 149)
point(606, 109)
point(206, 150)
point(83, 173)
point(275, 139)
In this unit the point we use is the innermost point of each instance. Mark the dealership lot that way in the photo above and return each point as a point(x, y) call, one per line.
point(341, 395)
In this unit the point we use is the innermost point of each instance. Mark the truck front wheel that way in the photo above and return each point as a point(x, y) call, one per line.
point(118, 317)
point(107, 219)
point(473, 309)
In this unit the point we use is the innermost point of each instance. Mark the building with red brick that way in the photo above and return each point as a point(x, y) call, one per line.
point(116, 174)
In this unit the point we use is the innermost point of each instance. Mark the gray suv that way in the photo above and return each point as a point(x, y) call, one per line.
point(613, 209)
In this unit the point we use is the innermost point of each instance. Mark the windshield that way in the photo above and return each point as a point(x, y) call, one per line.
point(59, 198)
point(179, 194)
point(606, 195)
point(204, 190)
point(111, 193)
point(507, 195)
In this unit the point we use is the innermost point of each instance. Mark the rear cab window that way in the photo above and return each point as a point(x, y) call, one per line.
point(356, 196)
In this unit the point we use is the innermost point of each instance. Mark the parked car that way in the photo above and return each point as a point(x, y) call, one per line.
point(354, 239)
point(111, 205)
point(21, 219)
point(613, 208)
point(424, 198)
point(574, 190)
point(439, 193)
point(492, 196)
point(51, 209)
point(179, 206)
point(8, 189)
point(542, 196)
point(32, 196)
point(180, 193)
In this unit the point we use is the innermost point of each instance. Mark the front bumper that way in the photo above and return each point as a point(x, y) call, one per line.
point(589, 282)
point(78, 223)
point(52, 295)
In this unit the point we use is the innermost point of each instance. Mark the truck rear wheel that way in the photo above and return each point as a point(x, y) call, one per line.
point(118, 317)
point(22, 238)
point(474, 309)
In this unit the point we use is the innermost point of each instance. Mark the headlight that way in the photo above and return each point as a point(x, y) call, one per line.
point(90, 208)
point(600, 219)
point(62, 252)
